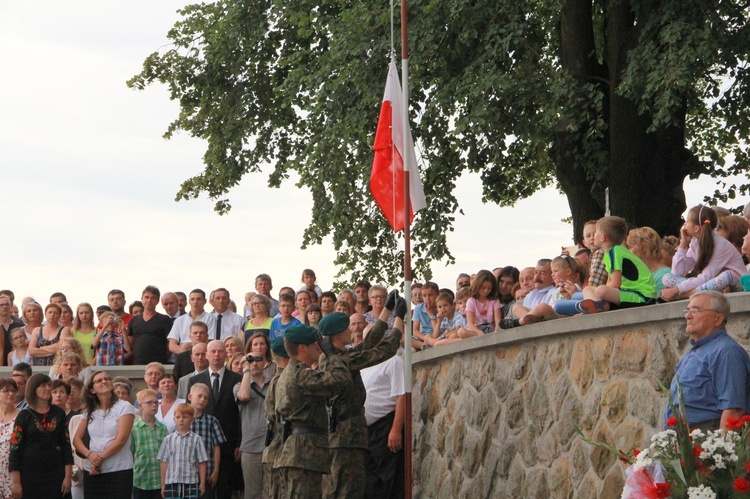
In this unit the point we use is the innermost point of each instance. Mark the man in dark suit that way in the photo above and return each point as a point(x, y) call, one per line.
point(223, 407)
point(183, 365)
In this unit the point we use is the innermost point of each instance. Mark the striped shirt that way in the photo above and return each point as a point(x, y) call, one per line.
point(183, 453)
point(144, 444)
point(207, 427)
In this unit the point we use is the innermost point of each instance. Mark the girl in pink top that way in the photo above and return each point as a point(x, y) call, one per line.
point(704, 260)
point(483, 308)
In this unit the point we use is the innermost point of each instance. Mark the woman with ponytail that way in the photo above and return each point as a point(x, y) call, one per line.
point(704, 260)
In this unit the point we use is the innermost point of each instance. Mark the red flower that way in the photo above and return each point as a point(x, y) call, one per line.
point(662, 490)
point(746, 418)
point(696, 451)
point(741, 485)
point(671, 422)
point(734, 423)
point(747, 467)
point(636, 452)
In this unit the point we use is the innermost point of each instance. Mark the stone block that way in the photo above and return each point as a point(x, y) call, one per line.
point(630, 352)
point(630, 435)
point(515, 414)
point(540, 409)
point(548, 445)
point(613, 484)
point(615, 401)
point(581, 368)
point(484, 409)
point(601, 351)
point(561, 390)
point(521, 365)
point(472, 454)
point(579, 460)
point(559, 480)
point(459, 433)
point(517, 479)
point(568, 419)
point(591, 409)
point(504, 381)
point(480, 370)
point(601, 459)
point(536, 484)
point(589, 487)
point(645, 403)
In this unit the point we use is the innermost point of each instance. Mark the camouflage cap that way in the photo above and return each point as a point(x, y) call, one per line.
point(277, 347)
point(304, 335)
point(333, 323)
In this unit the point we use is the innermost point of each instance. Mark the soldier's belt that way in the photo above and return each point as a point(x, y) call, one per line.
point(299, 430)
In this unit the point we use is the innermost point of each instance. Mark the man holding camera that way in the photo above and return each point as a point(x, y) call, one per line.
point(347, 437)
point(250, 396)
point(301, 394)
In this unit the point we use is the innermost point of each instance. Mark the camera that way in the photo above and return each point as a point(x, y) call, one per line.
point(254, 358)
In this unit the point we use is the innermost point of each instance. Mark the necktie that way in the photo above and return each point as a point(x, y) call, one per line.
point(218, 327)
point(216, 386)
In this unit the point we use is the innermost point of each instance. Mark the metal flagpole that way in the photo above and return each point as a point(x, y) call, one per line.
point(407, 255)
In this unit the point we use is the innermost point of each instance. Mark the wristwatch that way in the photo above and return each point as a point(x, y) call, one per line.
point(245, 370)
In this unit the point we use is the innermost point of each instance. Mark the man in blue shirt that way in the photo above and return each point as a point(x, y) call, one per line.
point(714, 374)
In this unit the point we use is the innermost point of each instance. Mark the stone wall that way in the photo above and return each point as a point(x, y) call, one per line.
point(496, 416)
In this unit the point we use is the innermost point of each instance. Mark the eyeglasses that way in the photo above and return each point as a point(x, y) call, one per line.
point(8, 391)
point(696, 310)
point(256, 303)
point(106, 379)
point(378, 297)
point(150, 402)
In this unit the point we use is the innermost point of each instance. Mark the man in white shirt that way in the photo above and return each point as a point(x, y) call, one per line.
point(384, 412)
point(179, 336)
point(228, 323)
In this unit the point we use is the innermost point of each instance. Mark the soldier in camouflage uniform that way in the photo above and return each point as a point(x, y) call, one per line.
point(301, 394)
point(348, 441)
point(271, 480)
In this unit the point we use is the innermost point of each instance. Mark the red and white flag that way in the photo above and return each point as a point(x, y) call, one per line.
point(387, 177)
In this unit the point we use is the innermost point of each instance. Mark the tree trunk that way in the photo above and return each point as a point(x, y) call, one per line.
point(578, 58)
point(646, 169)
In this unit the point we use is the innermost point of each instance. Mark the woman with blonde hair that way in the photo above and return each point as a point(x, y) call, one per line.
point(232, 345)
point(84, 330)
point(32, 315)
point(646, 244)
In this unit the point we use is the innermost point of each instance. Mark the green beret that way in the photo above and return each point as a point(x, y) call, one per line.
point(333, 323)
point(277, 347)
point(304, 335)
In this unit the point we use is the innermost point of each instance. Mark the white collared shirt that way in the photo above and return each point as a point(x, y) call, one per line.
point(232, 324)
point(181, 327)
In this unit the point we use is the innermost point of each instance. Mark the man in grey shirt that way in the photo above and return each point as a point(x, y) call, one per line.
point(250, 396)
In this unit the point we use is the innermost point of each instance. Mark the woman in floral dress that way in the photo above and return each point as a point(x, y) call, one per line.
point(8, 413)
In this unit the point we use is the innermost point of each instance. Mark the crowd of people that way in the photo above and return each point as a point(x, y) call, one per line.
point(270, 397)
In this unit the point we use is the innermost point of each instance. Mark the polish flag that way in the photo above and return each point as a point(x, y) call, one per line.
point(387, 177)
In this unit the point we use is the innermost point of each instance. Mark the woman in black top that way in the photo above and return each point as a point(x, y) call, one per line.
point(41, 461)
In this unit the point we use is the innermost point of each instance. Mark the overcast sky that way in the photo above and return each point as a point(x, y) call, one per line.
point(88, 183)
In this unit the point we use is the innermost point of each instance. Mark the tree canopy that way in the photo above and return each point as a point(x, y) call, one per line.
point(634, 95)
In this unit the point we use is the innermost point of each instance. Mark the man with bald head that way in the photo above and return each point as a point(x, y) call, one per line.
point(357, 325)
point(171, 305)
point(222, 406)
point(200, 364)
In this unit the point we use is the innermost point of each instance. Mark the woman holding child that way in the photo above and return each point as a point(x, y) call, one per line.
point(45, 340)
point(108, 422)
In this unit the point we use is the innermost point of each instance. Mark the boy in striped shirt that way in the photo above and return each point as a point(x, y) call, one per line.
point(183, 459)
